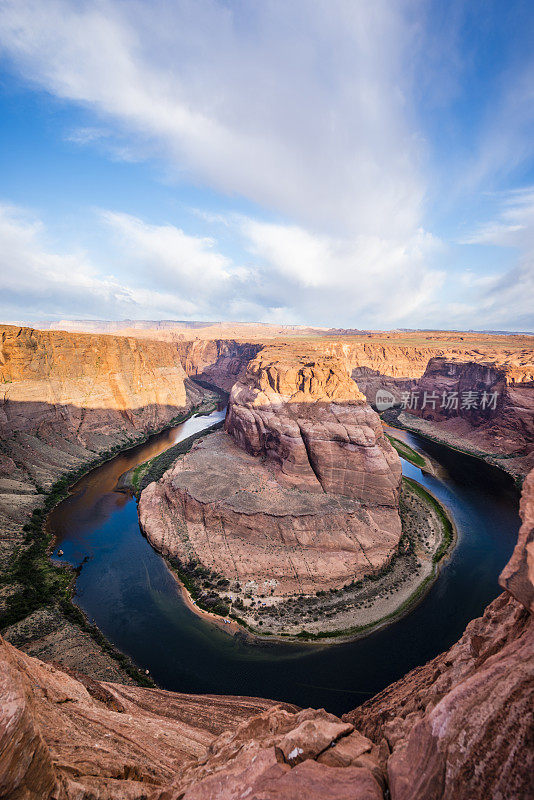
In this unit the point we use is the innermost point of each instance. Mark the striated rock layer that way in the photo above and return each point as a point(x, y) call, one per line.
point(63, 736)
point(87, 383)
point(66, 399)
point(518, 575)
point(307, 417)
point(220, 362)
point(301, 492)
point(227, 509)
point(478, 405)
point(462, 726)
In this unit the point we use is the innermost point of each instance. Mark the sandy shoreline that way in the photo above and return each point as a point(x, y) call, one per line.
point(383, 609)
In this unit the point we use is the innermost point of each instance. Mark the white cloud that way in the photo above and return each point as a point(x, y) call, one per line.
point(502, 298)
point(38, 280)
point(302, 107)
point(179, 261)
point(292, 277)
point(365, 280)
point(159, 270)
point(513, 226)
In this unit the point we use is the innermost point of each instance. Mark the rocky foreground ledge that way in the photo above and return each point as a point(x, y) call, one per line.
point(458, 727)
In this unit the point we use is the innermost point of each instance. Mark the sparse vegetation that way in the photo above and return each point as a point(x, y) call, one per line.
point(201, 583)
point(448, 531)
point(405, 451)
point(360, 594)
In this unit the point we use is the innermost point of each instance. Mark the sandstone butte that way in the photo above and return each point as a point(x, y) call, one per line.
point(457, 728)
point(299, 494)
point(405, 363)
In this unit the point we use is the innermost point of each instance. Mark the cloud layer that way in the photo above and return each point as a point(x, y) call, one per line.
point(299, 106)
point(307, 111)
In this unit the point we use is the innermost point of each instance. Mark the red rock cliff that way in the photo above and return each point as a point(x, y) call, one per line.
point(462, 726)
point(457, 728)
point(65, 398)
point(218, 361)
point(306, 415)
point(479, 405)
point(299, 495)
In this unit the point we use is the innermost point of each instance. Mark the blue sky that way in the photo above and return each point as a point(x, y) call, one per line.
point(332, 162)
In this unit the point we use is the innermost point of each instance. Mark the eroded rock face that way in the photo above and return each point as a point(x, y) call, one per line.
point(26, 769)
point(307, 417)
point(63, 737)
point(64, 400)
point(477, 405)
point(280, 756)
point(220, 362)
point(518, 575)
point(456, 389)
point(299, 495)
point(462, 725)
point(66, 737)
point(66, 396)
point(87, 383)
point(227, 509)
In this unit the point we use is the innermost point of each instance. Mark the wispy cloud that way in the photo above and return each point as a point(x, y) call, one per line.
point(39, 280)
point(301, 107)
point(317, 113)
point(513, 226)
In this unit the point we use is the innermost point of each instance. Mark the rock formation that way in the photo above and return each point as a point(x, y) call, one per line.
point(462, 726)
point(220, 362)
point(300, 494)
point(224, 508)
point(64, 400)
point(518, 575)
point(458, 728)
point(306, 416)
point(478, 405)
point(66, 397)
point(87, 383)
point(64, 736)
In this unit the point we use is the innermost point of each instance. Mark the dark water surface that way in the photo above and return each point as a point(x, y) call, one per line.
point(127, 589)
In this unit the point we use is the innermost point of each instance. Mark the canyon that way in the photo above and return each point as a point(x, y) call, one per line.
point(66, 402)
point(460, 726)
point(303, 470)
point(299, 494)
point(477, 406)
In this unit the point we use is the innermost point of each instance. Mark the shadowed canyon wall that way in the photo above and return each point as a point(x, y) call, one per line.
point(476, 404)
point(65, 400)
point(458, 727)
point(220, 362)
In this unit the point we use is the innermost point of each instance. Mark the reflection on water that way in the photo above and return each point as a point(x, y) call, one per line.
point(126, 588)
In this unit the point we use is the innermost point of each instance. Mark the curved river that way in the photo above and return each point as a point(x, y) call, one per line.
point(126, 588)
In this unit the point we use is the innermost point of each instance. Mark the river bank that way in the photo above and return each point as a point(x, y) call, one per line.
point(125, 589)
point(341, 614)
point(356, 610)
point(396, 418)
